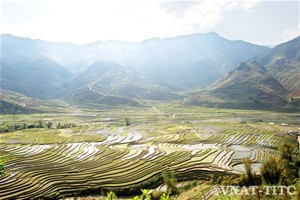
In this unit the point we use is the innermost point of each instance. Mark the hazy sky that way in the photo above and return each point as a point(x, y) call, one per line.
point(84, 21)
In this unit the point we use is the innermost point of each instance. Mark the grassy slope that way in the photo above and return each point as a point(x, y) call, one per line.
point(15, 103)
point(269, 81)
point(248, 87)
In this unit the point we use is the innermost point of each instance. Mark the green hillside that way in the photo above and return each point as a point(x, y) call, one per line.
point(269, 81)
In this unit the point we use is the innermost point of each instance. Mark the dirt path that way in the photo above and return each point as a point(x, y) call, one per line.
point(156, 110)
point(183, 101)
point(140, 102)
point(93, 90)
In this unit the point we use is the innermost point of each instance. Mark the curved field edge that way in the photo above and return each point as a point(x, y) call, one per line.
point(130, 158)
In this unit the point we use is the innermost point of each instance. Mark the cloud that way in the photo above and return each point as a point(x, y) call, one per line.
point(177, 8)
point(84, 21)
point(191, 16)
point(290, 33)
point(245, 5)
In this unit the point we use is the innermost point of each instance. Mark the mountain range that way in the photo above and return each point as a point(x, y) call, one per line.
point(267, 81)
point(206, 69)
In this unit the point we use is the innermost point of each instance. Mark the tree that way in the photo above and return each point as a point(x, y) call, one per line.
point(49, 124)
point(127, 121)
point(40, 124)
point(271, 171)
point(290, 162)
point(170, 181)
point(249, 177)
point(286, 151)
point(24, 126)
point(75, 196)
point(285, 169)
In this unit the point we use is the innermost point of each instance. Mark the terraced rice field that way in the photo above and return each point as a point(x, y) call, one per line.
point(124, 157)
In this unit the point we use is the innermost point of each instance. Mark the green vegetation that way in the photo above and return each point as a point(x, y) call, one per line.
point(282, 170)
point(94, 150)
point(290, 160)
point(249, 178)
point(170, 181)
point(2, 164)
point(146, 195)
point(267, 82)
point(79, 144)
point(271, 171)
point(111, 196)
point(127, 121)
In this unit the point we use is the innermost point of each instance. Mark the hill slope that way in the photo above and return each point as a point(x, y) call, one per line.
point(269, 81)
point(179, 63)
point(283, 62)
point(110, 83)
point(37, 77)
point(14, 103)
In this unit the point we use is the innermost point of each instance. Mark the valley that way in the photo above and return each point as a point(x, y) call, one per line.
point(174, 116)
point(149, 100)
point(82, 151)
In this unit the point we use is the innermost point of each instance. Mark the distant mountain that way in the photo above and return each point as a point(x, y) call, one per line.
point(191, 60)
point(197, 60)
point(37, 77)
point(283, 62)
point(107, 82)
point(14, 103)
point(269, 81)
point(115, 73)
point(15, 49)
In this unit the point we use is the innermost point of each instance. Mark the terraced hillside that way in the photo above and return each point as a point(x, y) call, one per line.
point(66, 161)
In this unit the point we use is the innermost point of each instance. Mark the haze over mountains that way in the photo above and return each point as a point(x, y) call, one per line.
point(270, 80)
point(118, 73)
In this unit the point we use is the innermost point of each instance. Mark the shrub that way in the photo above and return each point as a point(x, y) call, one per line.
point(165, 196)
point(249, 177)
point(156, 194)
point(111, 196)
point(170, 181)
point(146, 195)
point(271, 171)
point(290, 162)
